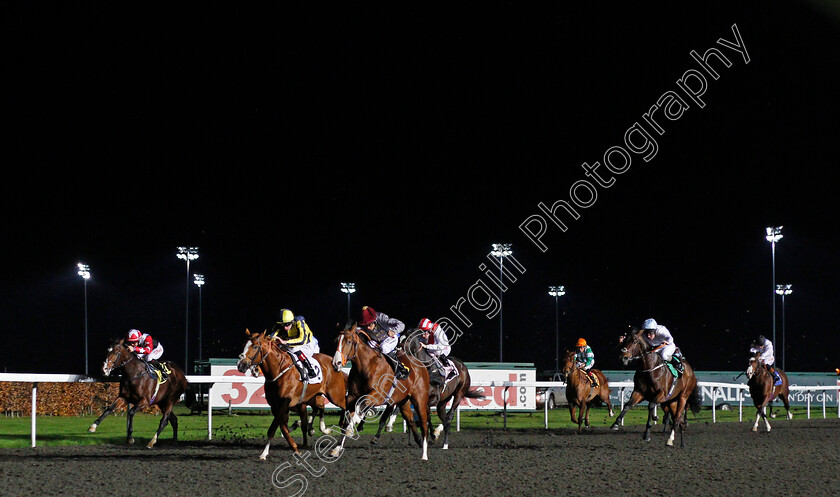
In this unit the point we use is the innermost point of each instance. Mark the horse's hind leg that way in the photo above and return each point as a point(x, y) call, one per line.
point(108, 411)
point(164, 420)
point(382, 421)
point(785, 401)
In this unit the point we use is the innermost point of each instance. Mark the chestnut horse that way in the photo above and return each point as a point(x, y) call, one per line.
point(654, 383)
point(456, 389)
point(142, 386)
point(764, 392)
point(579, 391)
point(371, 383)
point(284, 390)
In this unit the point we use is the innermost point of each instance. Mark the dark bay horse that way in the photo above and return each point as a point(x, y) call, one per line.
point(285, 391)
point(579, 390)
point(371, 383)
point(654, 383)
point(455, 390)
point(141, 386)
point(764, 392)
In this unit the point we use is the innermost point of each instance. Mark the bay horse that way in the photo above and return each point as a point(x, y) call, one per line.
point(654, 383)
point(285, 391)
point(140, 387)
point(371, 383)
point(456, 389)
point(579, 390)
point(764, 392)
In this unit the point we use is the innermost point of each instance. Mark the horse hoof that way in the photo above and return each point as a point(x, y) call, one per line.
point(92, 429)
point(335, 452)
point(262, 458)
point(149, 446)
point(669, 443)
point(374, 442)
point(130, 441)
point(755, 428)
point(389, 429)
point(615, 428)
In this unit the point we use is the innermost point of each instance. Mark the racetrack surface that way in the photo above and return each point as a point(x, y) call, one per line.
point(799, 457)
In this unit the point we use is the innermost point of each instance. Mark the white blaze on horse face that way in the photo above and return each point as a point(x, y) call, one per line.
point(338, 360)
point(245, 350)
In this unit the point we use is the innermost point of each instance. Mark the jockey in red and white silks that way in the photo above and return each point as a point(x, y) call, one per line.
point(143, 345)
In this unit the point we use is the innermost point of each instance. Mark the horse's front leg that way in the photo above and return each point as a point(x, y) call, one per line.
point(635, 398)
point(108, 411)
point(129, 422)
point(649, 423)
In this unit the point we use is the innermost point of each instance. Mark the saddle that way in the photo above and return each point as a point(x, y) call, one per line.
point(159, 370)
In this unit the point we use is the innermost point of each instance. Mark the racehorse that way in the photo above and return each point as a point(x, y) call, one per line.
point(371, 383)
point(286, 391)
point(456, 389)
point(579, 390)
point(654, 383)
point(764, 392)
point(143, 386)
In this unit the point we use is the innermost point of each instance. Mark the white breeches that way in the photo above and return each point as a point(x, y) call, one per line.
point(309, 349)
point(389, 344)
point(667, 352)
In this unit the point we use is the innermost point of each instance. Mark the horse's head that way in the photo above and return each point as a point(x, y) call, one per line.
point(118, 354)
point(754, 367)
point(256, 349)
point(632, 345)
point(569, 364)
point(347, 343)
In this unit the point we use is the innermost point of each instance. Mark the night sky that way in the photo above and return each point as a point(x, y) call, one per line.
point(390, 146)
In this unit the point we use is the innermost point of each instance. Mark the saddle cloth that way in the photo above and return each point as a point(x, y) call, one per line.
point(316, 366)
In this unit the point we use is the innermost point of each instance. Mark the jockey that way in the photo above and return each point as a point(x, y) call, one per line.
point(293, 332)
point(658, 337)
point(437, 346)
point(145, 347)
point(385, 332)
point(764, 348)
point(585, 360)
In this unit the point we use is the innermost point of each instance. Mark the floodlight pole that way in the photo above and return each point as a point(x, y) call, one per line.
point(501, 250)
point(783, 290)
point(774, 234)
point(199, 282)
point(556, 292)
point(187, 254)
point(84, 272)
point(348, 288)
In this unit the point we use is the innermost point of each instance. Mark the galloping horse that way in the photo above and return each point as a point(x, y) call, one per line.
point(452, 390)
point(654, 383)
point(142, 386)
point(579, 391)
point(285, 391)
point(764, 392)
point(372, 383)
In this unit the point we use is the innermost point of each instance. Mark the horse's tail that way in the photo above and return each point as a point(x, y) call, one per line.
point(191, 396)
point(695, 401)
point(474, 394)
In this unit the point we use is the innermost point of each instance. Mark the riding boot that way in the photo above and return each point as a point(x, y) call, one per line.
point(157, 365)
point(400, 371)
point(678, 365)
point(777, 378)
point(310, 371)
point(593, 379)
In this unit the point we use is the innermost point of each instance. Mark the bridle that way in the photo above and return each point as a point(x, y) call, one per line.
point(351, 342)
point(262, 355)
point(642, 353)
point(116, 350)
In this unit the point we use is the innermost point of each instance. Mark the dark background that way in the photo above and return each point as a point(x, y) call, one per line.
point(391, 146)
